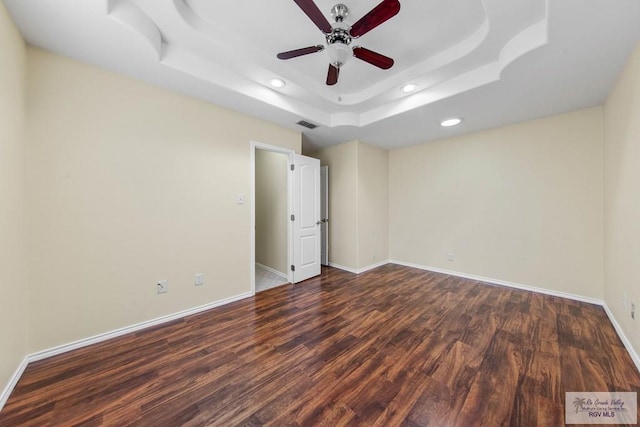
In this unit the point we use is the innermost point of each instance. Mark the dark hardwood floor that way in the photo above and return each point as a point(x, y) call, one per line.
point(394, 346)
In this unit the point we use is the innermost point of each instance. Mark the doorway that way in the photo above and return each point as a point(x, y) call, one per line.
point(287, 245)
point(271, 206)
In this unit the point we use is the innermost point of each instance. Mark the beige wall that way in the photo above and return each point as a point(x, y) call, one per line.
point(13, 278)
point(358, 204)
point(271, 210)
point(373, 205)
point(343, 192)
point(622, 199)
point(521, 203)
point(130, 184)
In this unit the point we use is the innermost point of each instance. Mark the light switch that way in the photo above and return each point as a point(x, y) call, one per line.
point(240, 199)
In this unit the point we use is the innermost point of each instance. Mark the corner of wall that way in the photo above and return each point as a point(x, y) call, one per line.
point(621, 132)
point(13, 257)
point(372, 205)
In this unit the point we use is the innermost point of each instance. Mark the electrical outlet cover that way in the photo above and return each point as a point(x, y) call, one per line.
point(162, 287)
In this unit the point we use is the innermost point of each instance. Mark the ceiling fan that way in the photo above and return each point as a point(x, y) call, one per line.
point(339, 37)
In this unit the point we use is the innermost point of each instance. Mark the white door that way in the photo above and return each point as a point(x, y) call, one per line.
point(324, 214)
point(306, 220)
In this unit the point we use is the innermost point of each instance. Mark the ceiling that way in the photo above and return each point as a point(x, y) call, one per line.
point(492, 62)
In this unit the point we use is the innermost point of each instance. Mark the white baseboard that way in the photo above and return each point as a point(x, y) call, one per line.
point(503, 283)
point(342, 267)
point(627, 344)
point(272, 270)
point(372, 266)
point(133, 328)
point(359, 270)
point(623, 337)
point(4, 396)
point(106, 336)
point(139, 326)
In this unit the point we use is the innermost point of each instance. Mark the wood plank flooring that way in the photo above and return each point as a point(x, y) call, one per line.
point(394, 346)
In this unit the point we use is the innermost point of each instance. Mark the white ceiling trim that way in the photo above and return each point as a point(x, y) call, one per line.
point(493, 62)
point(129, 14)
point(382, 100)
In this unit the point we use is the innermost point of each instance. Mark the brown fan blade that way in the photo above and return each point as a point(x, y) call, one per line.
point(373, 58)
point(332, 75)
point(379, 14)
point(299, 52)
point(312, 11)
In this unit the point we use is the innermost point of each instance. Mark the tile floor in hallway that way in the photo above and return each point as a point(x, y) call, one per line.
point(266, 279)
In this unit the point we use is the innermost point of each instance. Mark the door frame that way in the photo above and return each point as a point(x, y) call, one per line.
point(324, 228)
point(252, 197)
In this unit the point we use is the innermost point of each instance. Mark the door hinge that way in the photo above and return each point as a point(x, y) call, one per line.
point(293, 267)
point(293, 217)
point(293, 167)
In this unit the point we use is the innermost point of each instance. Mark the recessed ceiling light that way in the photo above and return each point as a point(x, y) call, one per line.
point(277, 83)
point(451, 122)
point(409, 88)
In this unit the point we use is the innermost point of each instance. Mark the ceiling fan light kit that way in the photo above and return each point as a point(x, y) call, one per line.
point(339, 36)
point(339, 54)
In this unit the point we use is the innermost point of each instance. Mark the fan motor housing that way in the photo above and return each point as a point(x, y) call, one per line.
point(339, 35)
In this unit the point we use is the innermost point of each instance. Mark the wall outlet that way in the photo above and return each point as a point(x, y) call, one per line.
point(162, 287)
point(633, 310)
point(198, 280)
point(450, 256)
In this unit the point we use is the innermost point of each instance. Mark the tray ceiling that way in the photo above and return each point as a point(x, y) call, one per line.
point(491, 62)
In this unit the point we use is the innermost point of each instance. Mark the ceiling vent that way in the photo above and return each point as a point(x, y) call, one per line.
point(307, 124)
